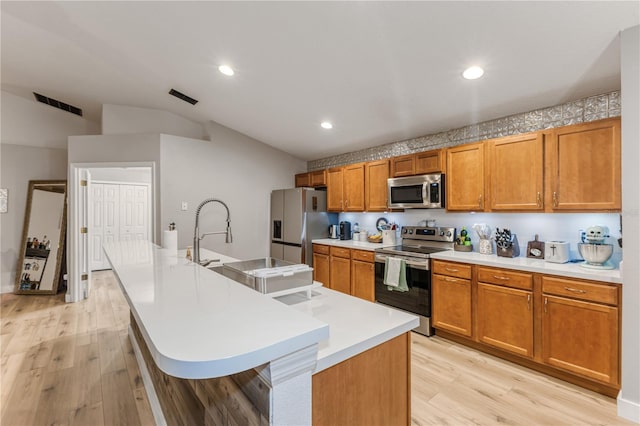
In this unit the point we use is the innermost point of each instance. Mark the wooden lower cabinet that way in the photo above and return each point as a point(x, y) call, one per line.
point(321, 269)
point(505, 318)
point(581, 337)
point(565, 327)
point(451, 304)
point(372, 388)
point(340, 270)
point(362, 280)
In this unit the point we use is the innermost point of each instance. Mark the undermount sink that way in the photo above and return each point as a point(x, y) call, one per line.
point(269, 275)
point(216, 268)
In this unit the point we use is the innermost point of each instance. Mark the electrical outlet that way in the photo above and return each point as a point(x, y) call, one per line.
point(185, 206)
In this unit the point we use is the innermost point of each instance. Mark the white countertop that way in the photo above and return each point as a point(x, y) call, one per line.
point(352, 244)
point(572, 270)
point(200, 324)
point(355, 324)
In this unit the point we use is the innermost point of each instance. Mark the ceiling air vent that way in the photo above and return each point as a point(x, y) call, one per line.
point(182, 96)
point(58, 104)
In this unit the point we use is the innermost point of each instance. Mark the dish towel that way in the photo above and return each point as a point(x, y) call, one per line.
point(395, 274)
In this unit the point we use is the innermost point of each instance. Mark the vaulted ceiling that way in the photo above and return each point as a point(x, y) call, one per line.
point(379, 71)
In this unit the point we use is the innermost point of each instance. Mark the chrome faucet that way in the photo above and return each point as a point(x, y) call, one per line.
point(197, 237)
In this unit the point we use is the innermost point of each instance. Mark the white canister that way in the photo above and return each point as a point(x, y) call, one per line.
point(389, 236)
point(485, 246)
point(363, 235)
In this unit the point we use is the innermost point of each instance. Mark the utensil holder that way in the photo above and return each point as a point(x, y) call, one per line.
point(485, 246)
point(389, 236)
point(511, 250)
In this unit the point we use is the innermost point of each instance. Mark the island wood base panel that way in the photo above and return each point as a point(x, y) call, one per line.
point(372, 388)
point(239, 399)
point(603, 389)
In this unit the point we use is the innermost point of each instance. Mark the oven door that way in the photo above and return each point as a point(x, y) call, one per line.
point(418, 299)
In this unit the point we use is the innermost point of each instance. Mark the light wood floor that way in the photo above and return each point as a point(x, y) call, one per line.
point(73, 364)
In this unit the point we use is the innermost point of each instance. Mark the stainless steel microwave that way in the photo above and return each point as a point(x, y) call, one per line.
point(416, 192)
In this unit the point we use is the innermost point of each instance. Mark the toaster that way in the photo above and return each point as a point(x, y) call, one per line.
point(556, 251)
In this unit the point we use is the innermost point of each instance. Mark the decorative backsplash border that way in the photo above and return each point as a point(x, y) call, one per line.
point(581, 111)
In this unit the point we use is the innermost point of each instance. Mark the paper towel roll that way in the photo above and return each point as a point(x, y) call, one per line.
point(170, 240)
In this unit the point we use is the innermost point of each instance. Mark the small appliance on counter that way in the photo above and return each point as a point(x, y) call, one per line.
point(507, 243)
point(594, 251)
point(556, 251)
point(345, 230)
point(334, 232)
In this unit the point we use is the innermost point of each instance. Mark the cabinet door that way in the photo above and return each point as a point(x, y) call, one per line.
point(354, 187)
point(581, 337)
point(363, 280)
point(335, 191)
point(516, 169)
point(585, 166)
point(505, 318)
point(465, 177)
point(340, 272)
point(302, 180)
point(318, 178)
point(428, 162)
point(377, 173)
point(451, 304)
point(321, 271)
point(403, 165)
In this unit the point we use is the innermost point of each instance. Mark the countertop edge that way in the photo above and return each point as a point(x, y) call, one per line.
point(567, 270)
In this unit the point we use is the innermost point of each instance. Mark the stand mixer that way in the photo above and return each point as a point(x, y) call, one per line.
point(593, 249)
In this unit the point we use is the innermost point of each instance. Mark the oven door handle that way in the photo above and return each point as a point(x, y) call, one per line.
point(422, 265)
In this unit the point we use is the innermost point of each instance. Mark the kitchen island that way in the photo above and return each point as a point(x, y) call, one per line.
point(218, 352)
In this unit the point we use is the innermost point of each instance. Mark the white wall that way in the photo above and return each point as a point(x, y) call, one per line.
point(28, 122)
point(629, 398)
point(120, 149)
point(122, 119)
point(240, 171)
point(19, 165)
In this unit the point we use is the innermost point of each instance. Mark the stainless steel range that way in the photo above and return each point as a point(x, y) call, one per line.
point(418, 243)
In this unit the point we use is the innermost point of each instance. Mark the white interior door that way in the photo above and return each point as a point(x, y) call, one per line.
point(96, 225)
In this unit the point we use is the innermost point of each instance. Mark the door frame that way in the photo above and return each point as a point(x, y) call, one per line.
point(77, 250)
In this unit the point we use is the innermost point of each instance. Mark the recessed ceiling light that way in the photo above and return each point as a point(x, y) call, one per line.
point(473, 72)
point(226, 70)
point(326, 125)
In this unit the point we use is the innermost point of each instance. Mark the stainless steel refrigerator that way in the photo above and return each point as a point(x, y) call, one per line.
point(298, 216)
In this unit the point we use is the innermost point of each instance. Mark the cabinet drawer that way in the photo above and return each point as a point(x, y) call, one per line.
point(580, 290)
point(364, 255)
point(459, 270)
point(319, 248)
point(506, 278)
point(341, 252)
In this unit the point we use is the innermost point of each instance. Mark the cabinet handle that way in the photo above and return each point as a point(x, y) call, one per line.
point(451, 270)
point(575, 290)
point(539, 199)
point(501, 278)
point(480, 200)
point(555, 199)
point(528, 302)
point(545, 305)
point(450, 280)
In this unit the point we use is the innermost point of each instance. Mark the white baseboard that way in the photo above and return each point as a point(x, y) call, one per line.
point(630, 410)
point(154, 402)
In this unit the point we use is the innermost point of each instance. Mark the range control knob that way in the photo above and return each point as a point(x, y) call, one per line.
point(442, 233)
point(405, 230)
point(449, 233)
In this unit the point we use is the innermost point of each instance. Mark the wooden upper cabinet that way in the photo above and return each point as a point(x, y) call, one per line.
point(335, 191)
point(404, 165)
point(353, 183)
point(429, 162)
point(376, 175)
point(303, 180)
point(318, 178)
point(465, 177)
point(584, 163)
point(421, 163)
point(515, 169)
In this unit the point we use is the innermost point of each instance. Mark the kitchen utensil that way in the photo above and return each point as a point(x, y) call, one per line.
point(556, 251)
point(535, 248)
point(595, 254)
